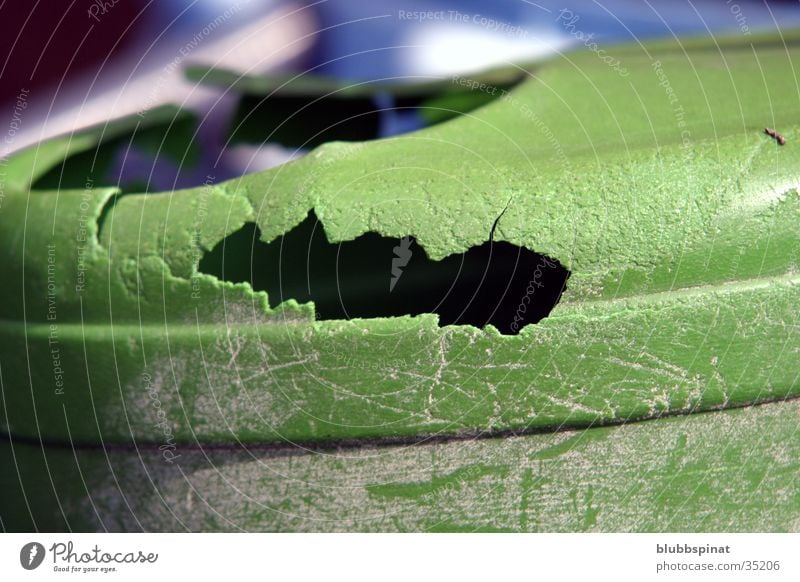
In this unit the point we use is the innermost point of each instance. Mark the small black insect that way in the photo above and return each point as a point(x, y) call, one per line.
point(778, 137)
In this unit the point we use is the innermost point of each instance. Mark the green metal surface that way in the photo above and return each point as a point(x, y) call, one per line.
point(658, 190)
point(723, 471)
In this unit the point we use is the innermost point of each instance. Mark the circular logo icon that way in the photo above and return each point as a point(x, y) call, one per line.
point(31, 555)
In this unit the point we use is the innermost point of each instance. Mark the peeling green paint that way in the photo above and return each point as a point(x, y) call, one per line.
point(726, 471)
point(682, 298)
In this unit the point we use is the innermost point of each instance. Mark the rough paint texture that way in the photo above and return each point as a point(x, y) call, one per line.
point(683, 253)
point(726, 471)
point(681, 235)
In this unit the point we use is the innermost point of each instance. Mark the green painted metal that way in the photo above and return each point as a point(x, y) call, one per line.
point(676, 215)
point(723, 471)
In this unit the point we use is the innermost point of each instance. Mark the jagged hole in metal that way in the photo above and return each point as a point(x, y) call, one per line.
point(372, 276)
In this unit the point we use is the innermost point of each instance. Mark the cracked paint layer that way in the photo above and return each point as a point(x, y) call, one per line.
point(683, 252)
point(725, 471)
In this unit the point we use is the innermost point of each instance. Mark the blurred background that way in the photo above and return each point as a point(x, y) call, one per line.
point(79, 63)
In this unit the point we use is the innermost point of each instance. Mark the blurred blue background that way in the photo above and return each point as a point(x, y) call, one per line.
point(351, 39)
point(91, 60)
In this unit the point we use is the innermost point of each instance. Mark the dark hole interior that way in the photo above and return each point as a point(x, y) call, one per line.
point(300, 122)
point(495, 283)
point(306, 121)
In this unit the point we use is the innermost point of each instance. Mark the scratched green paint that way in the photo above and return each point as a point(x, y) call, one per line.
point(683, 249)
point(436, 485)
point(732, 470)
point(683, 298)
